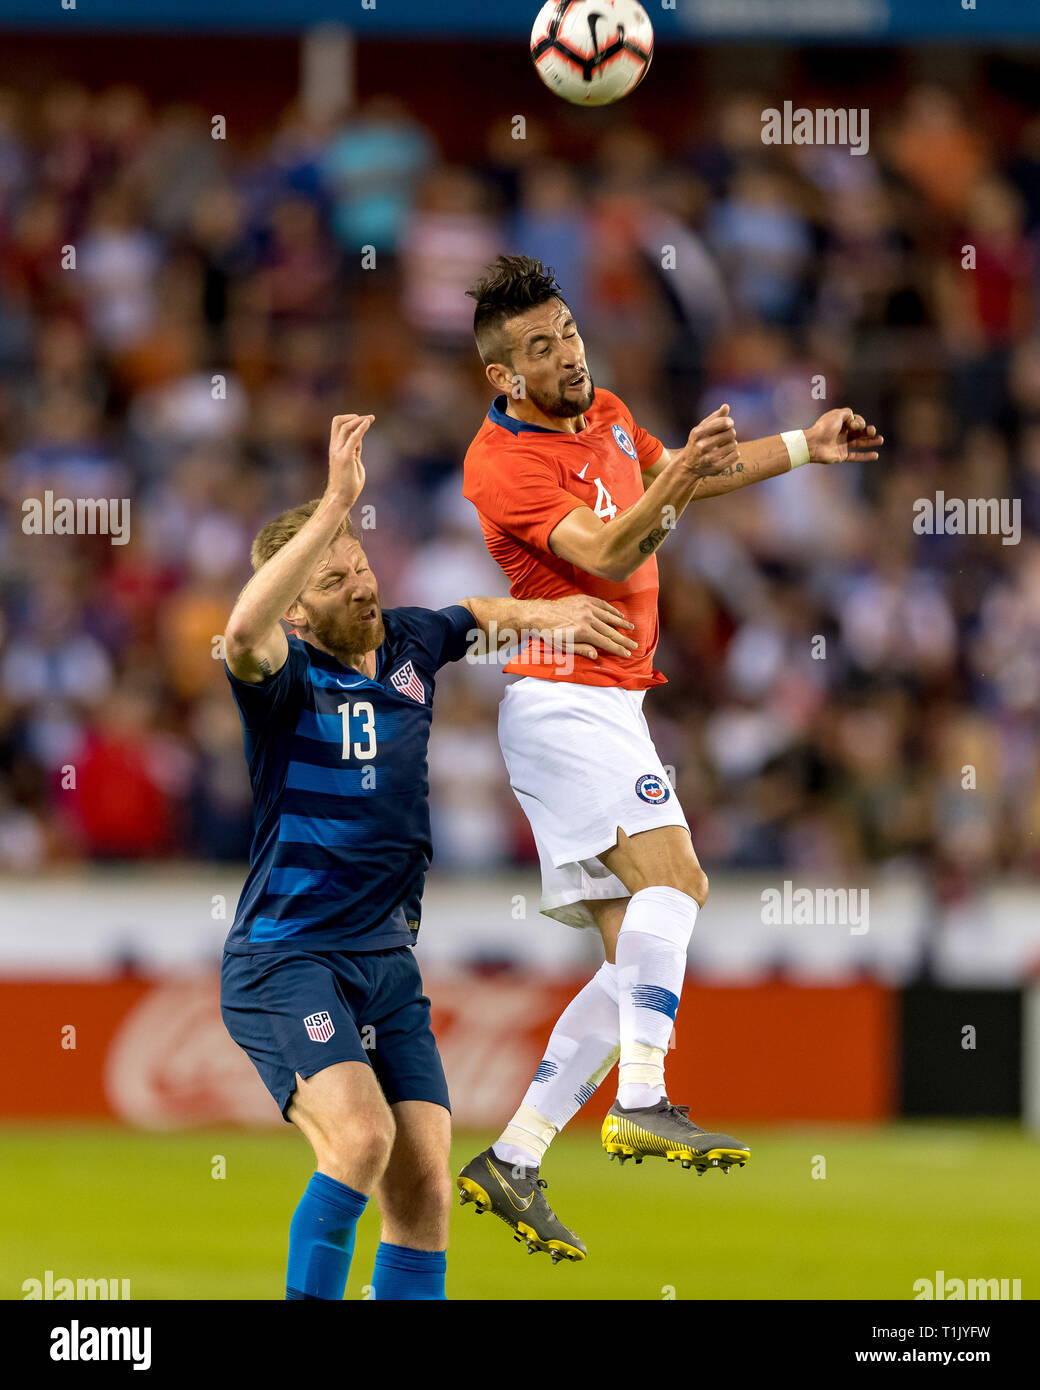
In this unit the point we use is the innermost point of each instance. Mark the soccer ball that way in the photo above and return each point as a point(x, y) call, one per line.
point(592, 52)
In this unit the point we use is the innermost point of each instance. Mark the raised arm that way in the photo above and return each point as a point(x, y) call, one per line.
point(255, 645)
point(615, 549)
point(710, 464)
point(836, 436)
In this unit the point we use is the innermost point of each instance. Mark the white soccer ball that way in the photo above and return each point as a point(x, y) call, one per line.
point(592, 52)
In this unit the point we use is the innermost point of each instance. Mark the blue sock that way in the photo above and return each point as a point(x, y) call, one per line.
point(404, 1273)
point(321, 1239)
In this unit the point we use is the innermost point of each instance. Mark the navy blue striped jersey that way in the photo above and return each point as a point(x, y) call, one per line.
point(341, 818)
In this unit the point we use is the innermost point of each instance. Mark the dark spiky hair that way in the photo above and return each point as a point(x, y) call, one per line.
point(511, 285)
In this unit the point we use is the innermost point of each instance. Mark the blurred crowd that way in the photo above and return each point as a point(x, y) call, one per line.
point(181, 316)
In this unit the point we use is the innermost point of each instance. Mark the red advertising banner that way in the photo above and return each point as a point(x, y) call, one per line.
point(155, 1052)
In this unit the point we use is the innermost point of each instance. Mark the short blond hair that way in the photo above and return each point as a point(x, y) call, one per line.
point(281, 530)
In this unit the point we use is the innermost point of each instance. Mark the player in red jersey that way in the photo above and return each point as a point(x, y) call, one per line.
point(573, 495)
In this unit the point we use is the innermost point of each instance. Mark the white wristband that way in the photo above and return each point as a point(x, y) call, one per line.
point(797, 447)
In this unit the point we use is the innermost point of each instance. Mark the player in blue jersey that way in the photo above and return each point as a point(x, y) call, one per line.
point(318, 984)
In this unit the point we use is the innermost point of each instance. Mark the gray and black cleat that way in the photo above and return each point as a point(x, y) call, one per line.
point(516, 1194)
point(666, 1131)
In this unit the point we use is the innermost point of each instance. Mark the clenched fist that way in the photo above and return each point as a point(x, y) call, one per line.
point(712, 446)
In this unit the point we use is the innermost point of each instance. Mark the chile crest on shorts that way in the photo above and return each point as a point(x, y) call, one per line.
point(622, 440)
point(652, 788)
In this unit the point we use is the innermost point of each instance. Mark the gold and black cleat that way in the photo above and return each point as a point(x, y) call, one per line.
point(666, 1131)
point(516, 1195)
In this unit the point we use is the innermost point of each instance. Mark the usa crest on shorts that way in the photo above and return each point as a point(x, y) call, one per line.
point(320, 1026)
point(622, 440)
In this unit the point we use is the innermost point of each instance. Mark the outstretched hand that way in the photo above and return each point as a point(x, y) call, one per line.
point(842, 435)
point(585, 625)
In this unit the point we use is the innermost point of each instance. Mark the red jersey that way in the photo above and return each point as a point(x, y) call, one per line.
point(523, 480)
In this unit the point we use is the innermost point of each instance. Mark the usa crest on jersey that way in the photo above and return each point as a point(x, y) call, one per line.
point(320, 1026)
point(408, 683)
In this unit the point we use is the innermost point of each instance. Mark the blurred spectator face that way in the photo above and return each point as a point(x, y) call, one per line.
point(921, 423)
point(985, 465)
point(65, 109)
point(340, 604)
point(551, 190)
point(740, 124)
point(39, 224)
point(65, 417)
point(62, 348)
point(217, 219)
point(868, 742)
point(628, 158)
point(305, 351)
point(452, 191)
point(934, 110)
point(994, 209)
point(1025, 376)
point(120, 117)
point(112, 211)
point(681, 195)
point(503, 148)
point(295, 221)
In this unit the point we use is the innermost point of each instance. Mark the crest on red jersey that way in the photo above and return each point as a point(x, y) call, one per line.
point(622, 440)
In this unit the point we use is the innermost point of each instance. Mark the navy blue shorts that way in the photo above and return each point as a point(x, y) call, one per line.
point(303, 1011)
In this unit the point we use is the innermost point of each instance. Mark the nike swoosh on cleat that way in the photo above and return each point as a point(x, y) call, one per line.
point(514, 1197)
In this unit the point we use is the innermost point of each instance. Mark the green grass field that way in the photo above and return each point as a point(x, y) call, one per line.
point(896, 1204)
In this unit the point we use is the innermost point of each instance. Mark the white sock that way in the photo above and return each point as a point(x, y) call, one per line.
point(651, 968)
point(582, 1049)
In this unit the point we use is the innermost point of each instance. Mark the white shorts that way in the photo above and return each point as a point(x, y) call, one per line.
point(582, 763)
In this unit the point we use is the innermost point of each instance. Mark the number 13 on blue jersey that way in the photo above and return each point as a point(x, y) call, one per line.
point(363, 711)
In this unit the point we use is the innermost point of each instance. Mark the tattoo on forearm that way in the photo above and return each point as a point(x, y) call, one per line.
point(650, 543)
point(701, 468)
